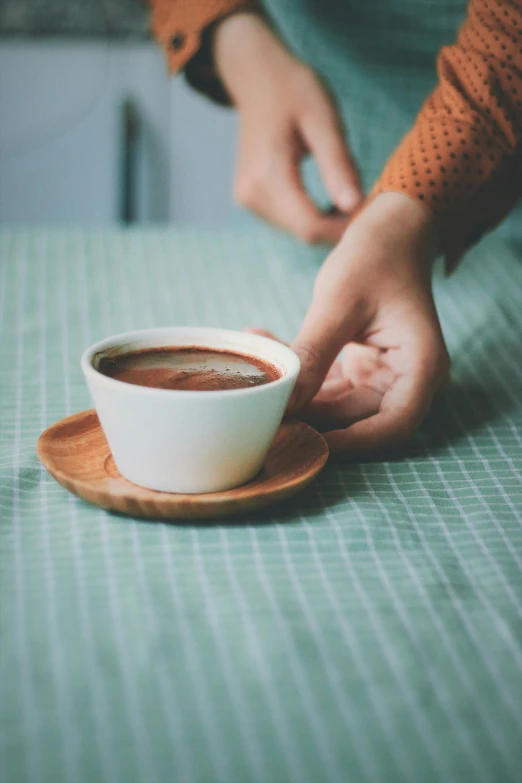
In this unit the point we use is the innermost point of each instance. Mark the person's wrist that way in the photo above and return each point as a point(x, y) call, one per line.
point(390, 245)
point(399, 223)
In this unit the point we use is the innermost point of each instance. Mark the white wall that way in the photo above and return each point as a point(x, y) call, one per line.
point(202, 152)
point(60, 136)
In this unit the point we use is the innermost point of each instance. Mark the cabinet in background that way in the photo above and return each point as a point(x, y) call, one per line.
point(63, 152)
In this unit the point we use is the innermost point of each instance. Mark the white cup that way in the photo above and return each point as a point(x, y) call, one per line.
point(190, 441)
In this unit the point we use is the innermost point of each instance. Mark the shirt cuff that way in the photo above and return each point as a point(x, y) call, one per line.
point(467, 198)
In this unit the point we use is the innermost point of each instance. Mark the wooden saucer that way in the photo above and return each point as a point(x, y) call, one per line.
point(77, 455)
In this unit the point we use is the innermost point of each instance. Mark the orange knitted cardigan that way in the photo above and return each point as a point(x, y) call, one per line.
point(462, 159)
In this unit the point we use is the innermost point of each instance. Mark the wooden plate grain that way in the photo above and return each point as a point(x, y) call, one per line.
point(76, 454)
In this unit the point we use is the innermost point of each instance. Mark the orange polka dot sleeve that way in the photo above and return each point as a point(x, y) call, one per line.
point(463, 157)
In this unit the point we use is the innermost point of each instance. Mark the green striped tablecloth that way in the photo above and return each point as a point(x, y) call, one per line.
point(369, 631)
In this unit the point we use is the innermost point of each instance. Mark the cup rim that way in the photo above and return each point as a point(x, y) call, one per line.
point(291, 362)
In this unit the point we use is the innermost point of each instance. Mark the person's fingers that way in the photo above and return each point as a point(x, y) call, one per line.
point(323, 135)
point(322, 335)
point(367, 365)
point(402, 409)
point(340, 406)
point(338, 403)
point(286, 203)
point(274, 191)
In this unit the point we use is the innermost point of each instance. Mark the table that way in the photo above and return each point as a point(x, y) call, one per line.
point(370, 630)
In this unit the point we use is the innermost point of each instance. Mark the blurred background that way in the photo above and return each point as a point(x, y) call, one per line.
point(92, 128)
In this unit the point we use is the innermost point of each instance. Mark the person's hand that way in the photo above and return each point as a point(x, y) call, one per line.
point(285, 113)
point(373, 301)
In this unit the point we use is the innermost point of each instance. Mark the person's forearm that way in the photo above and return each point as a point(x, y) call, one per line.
point(396, 217)
point(245, 49)
point(462, 159)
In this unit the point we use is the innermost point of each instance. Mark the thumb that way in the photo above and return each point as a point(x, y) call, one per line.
point(317, 344)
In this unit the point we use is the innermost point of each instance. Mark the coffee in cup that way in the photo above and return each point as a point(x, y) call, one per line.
point(191, 368)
